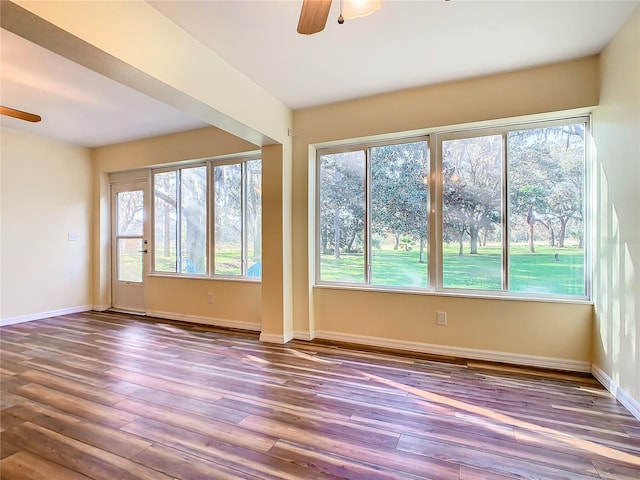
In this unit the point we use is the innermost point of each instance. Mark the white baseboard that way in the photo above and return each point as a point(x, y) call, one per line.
point(470, 353)
point(215, 322)
point(275, 338)
point(617, 391)
point(301, 335)
point(40, 315)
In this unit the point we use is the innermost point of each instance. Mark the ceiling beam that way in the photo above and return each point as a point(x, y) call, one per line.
point(134, 44)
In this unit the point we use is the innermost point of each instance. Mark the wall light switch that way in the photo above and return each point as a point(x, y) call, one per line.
point(72, 237)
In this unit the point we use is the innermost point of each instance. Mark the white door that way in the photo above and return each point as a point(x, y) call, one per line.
point(129, 246)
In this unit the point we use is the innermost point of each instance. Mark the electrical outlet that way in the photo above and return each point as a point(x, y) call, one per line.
point(441, 318)
point(211, 297)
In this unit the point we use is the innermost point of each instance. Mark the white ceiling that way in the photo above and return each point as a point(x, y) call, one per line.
point(402, 45)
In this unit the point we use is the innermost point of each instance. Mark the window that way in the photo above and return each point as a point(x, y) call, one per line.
point(180, 220)
point(129, 235)
point(472, 212)
point(547, 209)
point(238, 218)
point(188, 225)
point(373, 215)
point(509, 205)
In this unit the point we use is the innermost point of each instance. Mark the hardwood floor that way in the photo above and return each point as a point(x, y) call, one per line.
point(106, 396)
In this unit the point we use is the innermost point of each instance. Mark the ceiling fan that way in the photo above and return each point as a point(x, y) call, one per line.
point(12, 112)
point(314, 13)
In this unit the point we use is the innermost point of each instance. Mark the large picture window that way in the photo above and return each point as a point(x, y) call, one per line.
point(508, 203)
point(204, 227)
point(547, 209)
point(373, 215)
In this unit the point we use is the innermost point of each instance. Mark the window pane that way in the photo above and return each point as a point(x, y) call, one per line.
point(472, 213)
point(399, 214)
point(254, 218)
point(130, 259)
point(193, 220)
point(546, 222)
point(228, 219)
point(130, 213)
point(342, 217)
point(165, 231)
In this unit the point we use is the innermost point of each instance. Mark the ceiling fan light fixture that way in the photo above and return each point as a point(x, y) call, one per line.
point(359, 8)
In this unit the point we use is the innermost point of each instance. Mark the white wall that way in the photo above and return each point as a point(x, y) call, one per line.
point(45, 195)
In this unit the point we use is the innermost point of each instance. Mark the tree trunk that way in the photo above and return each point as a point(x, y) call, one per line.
point(531, 221)
point(396, 243)
point(195, 236)
point(423, 254)
point(562, 232)
point(324, 248)
point(473, 239)
point(167, 230)
point(461, 249)
point(336, 234)
point(351, 240)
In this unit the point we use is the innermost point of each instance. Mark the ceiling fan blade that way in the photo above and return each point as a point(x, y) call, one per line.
point(313, 16)
point(12, 112)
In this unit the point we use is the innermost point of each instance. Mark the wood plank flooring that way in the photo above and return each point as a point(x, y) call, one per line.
point(113, 396)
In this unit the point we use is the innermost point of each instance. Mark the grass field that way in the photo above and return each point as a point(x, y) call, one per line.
point(529, 272)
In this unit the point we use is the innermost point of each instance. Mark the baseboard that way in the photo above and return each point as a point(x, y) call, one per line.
point(40, 315)
point(301, 335)
point(101, 308)
point(470, 353)
point(275, 338)
point(215, 322)
point(617, 391)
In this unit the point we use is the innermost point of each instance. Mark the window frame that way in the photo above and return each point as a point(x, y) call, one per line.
point(366, 148)
point(504, 275)
point(210, 243)
point(435, 249)
point(178, 273)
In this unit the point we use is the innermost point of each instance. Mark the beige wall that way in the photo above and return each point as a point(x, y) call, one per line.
point(520, 328)
point(45, 194)
point(172, 297)
point(616, 337)
point(234, 304)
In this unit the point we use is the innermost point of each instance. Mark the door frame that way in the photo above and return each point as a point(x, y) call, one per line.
point(115, 188)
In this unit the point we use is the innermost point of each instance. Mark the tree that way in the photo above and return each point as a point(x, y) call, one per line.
point(342, 203)
point(546, 168)
point(193, 216)
point(254, 206)
point(400, 194)
point(526, 201)
point(472, 187)
point(130, 212)
point(193, 187)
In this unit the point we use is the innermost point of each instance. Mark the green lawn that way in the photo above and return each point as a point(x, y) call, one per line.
point(529, 272)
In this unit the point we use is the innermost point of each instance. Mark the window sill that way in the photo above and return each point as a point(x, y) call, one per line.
point(458, 294)
point(217, 278)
